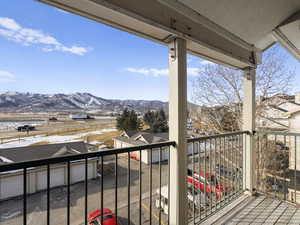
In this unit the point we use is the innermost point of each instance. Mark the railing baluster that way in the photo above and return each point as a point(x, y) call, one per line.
point(159, 165)
point(258, 158)
point(169, 180)
point(275, 175)
point(48, 194)
point(263, 155)
point(285, 172)
point(223, 166)
point(116, 185)
point(68, 192)
point(232, 164)
point(295, 169)
point(236, 163)
point(86, 192)
point(150, 183)
point(241, 163)
point(25, 196)
point(205, 179)
point(128, 189)
point(140, 188)
point(193, 180)
point(214, 171)
point(199, 170)
point(210, 160)
point(102, 188)
point(220, 182)
point(226, 164)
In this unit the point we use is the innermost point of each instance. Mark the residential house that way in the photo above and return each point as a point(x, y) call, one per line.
point(134, 138)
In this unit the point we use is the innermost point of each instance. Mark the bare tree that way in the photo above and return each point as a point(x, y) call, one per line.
point(220, 89)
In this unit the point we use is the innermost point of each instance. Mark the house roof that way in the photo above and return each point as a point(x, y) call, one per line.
point(129, 133)
point(278, 108)
point(41, 152)
point(290, 114)
point(142, 137)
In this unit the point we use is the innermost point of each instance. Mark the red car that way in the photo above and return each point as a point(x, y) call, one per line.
point(109, 217)
point(205, 179)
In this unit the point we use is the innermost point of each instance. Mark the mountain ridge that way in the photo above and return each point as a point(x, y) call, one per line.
point(79, 101)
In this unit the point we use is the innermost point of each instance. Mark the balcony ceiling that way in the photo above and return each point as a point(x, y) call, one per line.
point(258, 22)
point(227, 31)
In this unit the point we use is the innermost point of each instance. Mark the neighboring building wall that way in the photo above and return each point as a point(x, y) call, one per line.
point(290, 106)
point(294, 124)
point(11, 184)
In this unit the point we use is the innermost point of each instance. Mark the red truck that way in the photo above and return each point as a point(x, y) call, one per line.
point(109, 217)
point(207, 181)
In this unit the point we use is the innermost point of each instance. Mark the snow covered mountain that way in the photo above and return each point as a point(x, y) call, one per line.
point(32, 102)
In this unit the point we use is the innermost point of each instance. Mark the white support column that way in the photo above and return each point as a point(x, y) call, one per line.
point(177, 127)
point(249, 125)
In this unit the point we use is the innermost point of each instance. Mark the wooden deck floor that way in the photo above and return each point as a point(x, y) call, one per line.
point(259, 210)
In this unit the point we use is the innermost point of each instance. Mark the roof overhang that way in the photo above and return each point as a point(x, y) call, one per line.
point(288, 34)
point(158, 21)
point(231, 32)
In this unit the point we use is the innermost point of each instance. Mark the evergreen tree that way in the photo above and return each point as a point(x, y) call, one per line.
point(157, 121)
point(128, 120)
point(149, 118)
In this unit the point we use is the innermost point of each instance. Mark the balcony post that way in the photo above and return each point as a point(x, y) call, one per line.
point(177, 133)
point(249, 125)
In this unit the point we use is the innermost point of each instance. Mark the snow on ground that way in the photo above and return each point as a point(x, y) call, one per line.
point(16, 142)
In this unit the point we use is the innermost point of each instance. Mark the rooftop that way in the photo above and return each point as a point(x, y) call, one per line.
point(29, 153)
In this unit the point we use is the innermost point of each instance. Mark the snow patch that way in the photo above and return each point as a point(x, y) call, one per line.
point(26, 141)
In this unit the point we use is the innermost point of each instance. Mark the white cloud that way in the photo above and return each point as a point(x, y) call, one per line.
point(151, 72)
point(191, 71)
point(9, 24)
point(6, 77)
point(205, 62)
point(11, 30)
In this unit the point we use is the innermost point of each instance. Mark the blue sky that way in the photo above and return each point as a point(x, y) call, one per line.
point(46, 50)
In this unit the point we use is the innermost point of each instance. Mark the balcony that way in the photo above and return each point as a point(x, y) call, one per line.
point(219, 181)
point(139, 193)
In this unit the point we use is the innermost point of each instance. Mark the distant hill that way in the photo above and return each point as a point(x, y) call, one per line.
point(77, 102)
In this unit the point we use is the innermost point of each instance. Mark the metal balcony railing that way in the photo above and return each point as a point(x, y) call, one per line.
point(125, 156)
point(215, 178)
point(278, 165)
point(215, 173)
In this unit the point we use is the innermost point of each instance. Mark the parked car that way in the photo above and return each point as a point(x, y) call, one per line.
point(207, 183)
point(109, 217)
point(25, 128)
point(195, 197)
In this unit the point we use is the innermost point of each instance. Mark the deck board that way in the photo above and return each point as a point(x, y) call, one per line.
point(257, 211)
point(265, 210)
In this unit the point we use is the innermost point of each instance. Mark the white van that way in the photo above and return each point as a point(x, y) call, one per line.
point(200, 200)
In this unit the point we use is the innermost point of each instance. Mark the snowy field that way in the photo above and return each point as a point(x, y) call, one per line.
point(16, 142)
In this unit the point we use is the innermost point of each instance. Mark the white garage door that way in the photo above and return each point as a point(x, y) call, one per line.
point(11, 186)
point(77, 173)
point(57, 177)
point(41, 180)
